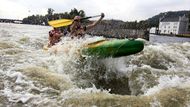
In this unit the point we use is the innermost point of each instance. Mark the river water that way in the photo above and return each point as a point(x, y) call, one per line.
point(167, 39)
point(159, 76)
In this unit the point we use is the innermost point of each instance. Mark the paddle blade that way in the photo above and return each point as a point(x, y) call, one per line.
point(60, 22)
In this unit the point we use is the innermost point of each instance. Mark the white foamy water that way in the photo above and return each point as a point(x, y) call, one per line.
point(61, 76)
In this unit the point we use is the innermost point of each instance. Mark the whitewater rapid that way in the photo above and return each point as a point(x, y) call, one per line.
point(159, 76)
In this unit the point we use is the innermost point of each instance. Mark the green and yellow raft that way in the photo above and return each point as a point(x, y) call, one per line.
point(113, 48)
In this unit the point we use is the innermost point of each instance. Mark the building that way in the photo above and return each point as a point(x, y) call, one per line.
point(10, 21)
point(174, 25)
point(18, 22)
point(153, 30)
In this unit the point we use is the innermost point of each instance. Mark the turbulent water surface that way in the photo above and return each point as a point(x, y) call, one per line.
point(159, 76)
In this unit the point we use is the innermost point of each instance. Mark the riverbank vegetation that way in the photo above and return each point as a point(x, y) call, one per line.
point(43, 20)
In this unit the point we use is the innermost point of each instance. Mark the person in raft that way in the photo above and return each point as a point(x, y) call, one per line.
point(54, 36)
point(77, 30)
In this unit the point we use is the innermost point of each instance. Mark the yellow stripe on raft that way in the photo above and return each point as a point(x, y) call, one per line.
point(95, 44)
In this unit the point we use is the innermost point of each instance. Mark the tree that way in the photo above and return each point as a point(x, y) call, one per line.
point(50, 14)
point(142, 25)
point(189, 16)
point(82, 13)
point(41, 20)
point(50, 11)
point(189, 21)
point(74, 12)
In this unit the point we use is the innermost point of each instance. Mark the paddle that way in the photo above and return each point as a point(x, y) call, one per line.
point(66, 22)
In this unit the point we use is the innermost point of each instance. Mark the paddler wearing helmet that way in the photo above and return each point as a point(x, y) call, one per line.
point(77, 30)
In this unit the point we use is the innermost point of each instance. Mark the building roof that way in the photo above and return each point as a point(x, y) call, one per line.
point(170, 19)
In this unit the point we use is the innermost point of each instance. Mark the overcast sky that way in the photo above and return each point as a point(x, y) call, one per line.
point(126, 10)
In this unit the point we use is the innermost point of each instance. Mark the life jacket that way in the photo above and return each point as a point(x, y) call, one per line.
point(79, 31)
point(53, 38)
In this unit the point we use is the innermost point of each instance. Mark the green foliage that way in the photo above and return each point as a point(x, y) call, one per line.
point(136, 25)
point(50, 11)
point(75, 12)
point(43, 20)
point(189, 21)
point(154, 21)
point(189, 17)
point(37, 20)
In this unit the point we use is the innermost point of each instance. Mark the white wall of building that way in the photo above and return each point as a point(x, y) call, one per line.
point(177, 27)
point(169, 27)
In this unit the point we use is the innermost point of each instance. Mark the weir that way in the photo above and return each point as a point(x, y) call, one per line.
point(116, 29)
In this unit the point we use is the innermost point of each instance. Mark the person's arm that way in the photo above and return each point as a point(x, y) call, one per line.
point(95, 23)
point(73, 26)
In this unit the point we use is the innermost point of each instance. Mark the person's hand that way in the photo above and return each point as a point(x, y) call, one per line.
point(102, 15)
